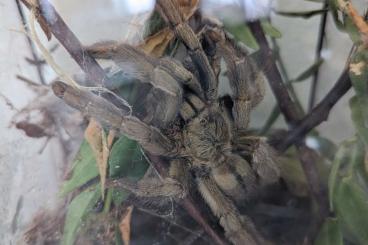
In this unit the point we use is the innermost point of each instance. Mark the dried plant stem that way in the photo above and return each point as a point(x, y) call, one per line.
point(321, 38)
point(66, 37)
point(30, 44)
point(292, 116)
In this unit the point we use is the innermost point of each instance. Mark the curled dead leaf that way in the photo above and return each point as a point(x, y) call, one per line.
point(32, 130)
point(124, 225)
point(357, 68)
point(96, 137)
point(157, 43)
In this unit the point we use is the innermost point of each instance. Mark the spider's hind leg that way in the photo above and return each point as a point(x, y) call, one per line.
point(174, 186)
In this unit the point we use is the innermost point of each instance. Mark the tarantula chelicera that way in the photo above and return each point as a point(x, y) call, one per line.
point(198, 131)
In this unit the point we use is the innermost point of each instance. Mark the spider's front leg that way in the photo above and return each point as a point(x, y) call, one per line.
point(150, 138)
point(169, 9)
point(246, 80)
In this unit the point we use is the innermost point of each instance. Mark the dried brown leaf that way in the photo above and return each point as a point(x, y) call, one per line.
point(157, 43)
point(357, 68)
point(32, 130)
point(348, 8)
point(124, 225)
point(95, 136)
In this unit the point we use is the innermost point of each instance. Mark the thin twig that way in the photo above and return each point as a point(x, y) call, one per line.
point(321, 38)
point(319, 113)
point(289, 109)
point(66, 37)
point(30, 44)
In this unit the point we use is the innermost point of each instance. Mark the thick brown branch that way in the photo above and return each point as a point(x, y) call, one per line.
point(289, 109)
point(66, 37)
point(319, 113)
point(287, 106)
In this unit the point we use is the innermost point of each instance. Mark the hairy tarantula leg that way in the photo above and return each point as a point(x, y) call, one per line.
point(150, 187)
point(169, 11)
point(191, 107)
point(237, 229)
point(263, 157)
point(235, 177)
point(246, 82)
point(175, 186)
point(182, 75)
point(137, 64)
point(150, 138)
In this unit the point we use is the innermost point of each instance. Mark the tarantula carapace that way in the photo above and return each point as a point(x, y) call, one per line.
point(203, 135)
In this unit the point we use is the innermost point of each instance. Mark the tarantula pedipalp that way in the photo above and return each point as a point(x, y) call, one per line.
point(191, 125)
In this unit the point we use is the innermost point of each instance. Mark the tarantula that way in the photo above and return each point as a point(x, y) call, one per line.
point(204, 136)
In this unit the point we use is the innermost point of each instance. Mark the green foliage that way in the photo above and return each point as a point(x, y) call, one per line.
point(84, 169)
point(344, 22)
point(347, 192)
point(78, 209)
point(242, 33)
point(126, 160)
point(351, 203)
point(308, 72)
point(270, 30)
point(359, 114)
point(330, 233)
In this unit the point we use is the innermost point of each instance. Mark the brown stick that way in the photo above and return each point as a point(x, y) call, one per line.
point(319, 114)
point(66, 37)
point(30, 44)
point(292, 116)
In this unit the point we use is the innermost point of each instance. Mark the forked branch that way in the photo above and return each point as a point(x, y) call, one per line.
point(289, 109)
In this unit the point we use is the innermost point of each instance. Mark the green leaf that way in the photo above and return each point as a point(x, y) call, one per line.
point(335, 14)
point(352, 30)
point(351, 203)
point(77, 211)
point(358, 72)
point(303, 14)
point(126, 160)
point(242, 33)
point(359, 115)
point(270, 30)
point(330, 233)
point(84, 169)
point(307, 73)
point(343, 156)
